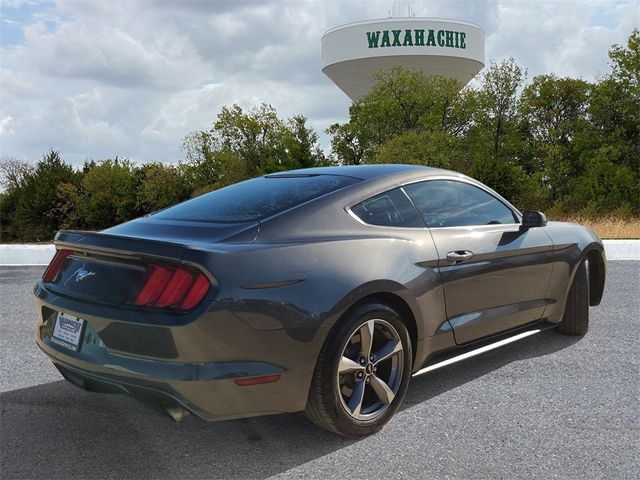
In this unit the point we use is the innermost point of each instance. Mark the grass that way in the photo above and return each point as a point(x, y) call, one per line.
point(609, 227)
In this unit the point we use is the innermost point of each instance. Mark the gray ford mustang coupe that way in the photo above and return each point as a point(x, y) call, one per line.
point(320, 290)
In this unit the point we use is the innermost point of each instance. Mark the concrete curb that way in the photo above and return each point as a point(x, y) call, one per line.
point(21, 255)
point(622, 249)
point(25, 255)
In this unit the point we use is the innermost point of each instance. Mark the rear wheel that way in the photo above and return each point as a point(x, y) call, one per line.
point(576, 311)
point(362, 373)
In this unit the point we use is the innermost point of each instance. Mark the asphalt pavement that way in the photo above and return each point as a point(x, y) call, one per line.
point(547, 406)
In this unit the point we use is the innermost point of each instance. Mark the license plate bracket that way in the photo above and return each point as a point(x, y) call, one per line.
point(68, 331)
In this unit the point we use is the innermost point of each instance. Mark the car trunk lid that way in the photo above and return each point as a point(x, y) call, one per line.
point(113, 266)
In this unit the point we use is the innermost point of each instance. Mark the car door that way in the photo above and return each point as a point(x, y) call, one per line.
point(495, 275)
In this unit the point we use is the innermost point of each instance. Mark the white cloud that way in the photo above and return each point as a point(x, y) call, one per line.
point(5, 126)
point(131, 77)
point(112, 55)
point(17, 85)
point(560, 36)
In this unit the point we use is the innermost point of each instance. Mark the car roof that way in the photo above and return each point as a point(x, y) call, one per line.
point(365, 172)
point(388, 175)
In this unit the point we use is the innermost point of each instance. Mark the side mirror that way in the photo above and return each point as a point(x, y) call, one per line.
point(532, 219)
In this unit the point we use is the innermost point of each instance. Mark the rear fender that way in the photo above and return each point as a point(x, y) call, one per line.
point(379, 289)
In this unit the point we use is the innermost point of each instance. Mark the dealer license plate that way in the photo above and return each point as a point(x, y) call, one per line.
point(68, 331)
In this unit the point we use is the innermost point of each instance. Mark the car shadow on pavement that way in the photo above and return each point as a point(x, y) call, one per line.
point(436, 382)
point(56, 430)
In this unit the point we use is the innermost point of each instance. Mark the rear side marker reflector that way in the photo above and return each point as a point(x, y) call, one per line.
point(55, 266)
point(243, 382)
point(173, 287)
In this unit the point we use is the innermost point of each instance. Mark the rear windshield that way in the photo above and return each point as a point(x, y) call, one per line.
point(255, 199)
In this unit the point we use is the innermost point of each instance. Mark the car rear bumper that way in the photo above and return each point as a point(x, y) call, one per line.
point(200, 379)
point(210, 400)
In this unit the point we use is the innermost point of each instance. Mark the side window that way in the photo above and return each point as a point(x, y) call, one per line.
point(448, 203)
point(388, 209)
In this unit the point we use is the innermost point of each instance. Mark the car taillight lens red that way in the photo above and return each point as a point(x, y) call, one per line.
point(154, 286)
point(56, 264)
point(197, 292)
point(169, 287)
point(175, 289)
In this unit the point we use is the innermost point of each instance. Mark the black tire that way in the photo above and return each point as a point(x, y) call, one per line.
point(327, 406)
point(575, 320)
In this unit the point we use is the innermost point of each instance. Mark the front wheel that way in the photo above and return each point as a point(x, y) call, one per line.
point(362, 373)
point(575, 320)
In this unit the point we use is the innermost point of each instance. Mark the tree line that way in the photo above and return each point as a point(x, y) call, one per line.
point(51, 195)
point(562, 145)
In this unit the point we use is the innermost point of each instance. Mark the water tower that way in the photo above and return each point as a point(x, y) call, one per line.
point(352, 53)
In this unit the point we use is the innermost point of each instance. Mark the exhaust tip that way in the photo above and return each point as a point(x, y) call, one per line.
point(176, 411)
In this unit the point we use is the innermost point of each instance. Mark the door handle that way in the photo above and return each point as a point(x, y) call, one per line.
point(459, 256)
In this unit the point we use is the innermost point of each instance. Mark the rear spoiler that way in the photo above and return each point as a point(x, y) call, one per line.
point(118, 246)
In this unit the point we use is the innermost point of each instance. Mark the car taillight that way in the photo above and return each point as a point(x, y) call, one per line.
point(154, 286)
point(173, 287)
point(197, 292)
point(56, 264)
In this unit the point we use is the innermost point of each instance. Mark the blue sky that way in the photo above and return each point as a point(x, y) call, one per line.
point(15, 16)
point(95, 79)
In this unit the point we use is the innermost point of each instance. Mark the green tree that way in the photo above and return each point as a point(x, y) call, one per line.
point(34, 217)
point(242, 145)
point(405, 107)
point(615, 103)
point(208, 166)
point(109, 190)
point(435, 149)
point(199, 169)
point(493, 142)
point(605, 187)
point(553, 114)
point(13, 175)
point(346, 144)
point(301, 145)
point(610, 145)
point(256, 138)
point(401, 101)
point(68, 206)
point(554, 108)
point(159, 187)
point(496, 117)
point(625, 63)
point(504, 176)
point(8, 202)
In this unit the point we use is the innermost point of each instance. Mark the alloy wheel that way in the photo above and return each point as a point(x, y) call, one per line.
point(370, 369)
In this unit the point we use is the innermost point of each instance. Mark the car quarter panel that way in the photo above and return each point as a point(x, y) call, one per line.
point(310, 284)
